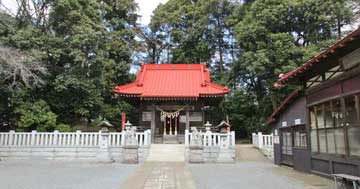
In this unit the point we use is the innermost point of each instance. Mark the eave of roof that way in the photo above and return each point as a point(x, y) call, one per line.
point(288, 77)
point(293, 95)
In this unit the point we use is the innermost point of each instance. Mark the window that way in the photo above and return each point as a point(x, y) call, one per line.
point(287, 143)
point(327, 135)
point(312, 118)
point(300, 139)
point(314, 141)
point(352, 114)
point(320, 116)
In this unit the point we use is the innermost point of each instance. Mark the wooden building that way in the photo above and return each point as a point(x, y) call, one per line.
point(319, 128)
point(171, 98)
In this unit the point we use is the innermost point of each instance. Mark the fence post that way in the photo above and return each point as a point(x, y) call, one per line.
point(186, 137)
point(77, 139)
point(208, 133)
point(253, 138)
point(33, 135)
point(261, 143)
point(146, 137)
point(11, 137)
point(56, 137)
point(232, 138)
point(122, 138)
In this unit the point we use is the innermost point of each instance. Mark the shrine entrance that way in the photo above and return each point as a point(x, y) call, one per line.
point(171, 125)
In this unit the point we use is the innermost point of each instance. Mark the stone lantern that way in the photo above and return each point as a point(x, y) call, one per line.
point(207, 126)
point(131, 147)
point(104, 153)
point(128, 125)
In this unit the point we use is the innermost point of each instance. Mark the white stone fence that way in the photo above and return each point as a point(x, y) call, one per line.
point(70, 139)
point(212, 139)
point(264, 143)
point(70, 145)
point(209, 147)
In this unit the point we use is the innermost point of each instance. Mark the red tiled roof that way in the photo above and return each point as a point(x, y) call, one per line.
point(172, 80)
point(282, 106)
point(286, 78)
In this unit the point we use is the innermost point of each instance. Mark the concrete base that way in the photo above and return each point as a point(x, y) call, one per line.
point(130, 155)
point(209, 154)
point(226, 156)
point(196, 154)
point(104, 156)
point(78, 153)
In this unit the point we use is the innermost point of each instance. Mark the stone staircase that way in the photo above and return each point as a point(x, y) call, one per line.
point(166, 153)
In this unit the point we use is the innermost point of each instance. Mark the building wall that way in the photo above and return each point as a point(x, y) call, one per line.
point(325, 163)
point(301, 156)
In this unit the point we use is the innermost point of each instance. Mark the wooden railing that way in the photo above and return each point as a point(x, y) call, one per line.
point(60, 139)
point(212, 139)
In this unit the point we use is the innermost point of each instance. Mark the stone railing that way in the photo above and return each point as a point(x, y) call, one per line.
point(264, 143)
point(70, 145)
point(209, 147)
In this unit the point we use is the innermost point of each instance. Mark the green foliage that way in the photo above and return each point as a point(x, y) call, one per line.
point(35, 116)
point(63, 128)
point(86, 46)
point(277, 36)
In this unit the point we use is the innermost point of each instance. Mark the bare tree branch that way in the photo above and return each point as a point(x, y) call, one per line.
point(19, 69)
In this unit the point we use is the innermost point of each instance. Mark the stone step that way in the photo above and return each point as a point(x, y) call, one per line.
point(167, 153)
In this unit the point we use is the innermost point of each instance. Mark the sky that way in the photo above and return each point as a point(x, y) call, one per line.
point(146, 8)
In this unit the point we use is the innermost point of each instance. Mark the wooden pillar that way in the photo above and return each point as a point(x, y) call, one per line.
point(187, 120)
point(164, 125)
point(176, 125)
point(170, 133)
point(152, 124)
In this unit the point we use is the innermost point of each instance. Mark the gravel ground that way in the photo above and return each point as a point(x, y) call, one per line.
point(43, 174)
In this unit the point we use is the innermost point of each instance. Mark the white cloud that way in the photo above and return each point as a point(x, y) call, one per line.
point(146, 8)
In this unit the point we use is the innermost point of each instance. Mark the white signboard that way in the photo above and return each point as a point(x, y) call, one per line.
point(297, 121)
point(146, 116)
point(195, 116)
point(284, 124)
point(182, 119)
point(276, 139)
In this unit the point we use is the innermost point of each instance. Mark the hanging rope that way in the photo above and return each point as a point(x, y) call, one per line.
point(164, 114)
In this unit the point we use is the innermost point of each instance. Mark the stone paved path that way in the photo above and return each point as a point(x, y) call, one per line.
point(160, 175)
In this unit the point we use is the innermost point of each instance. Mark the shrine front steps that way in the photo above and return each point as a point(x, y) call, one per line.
point(166, 153)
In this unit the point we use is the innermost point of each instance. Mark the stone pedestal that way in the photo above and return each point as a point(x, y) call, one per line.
point(196, 154)
point(226, 154)
point(104, 153)
point(130, 154)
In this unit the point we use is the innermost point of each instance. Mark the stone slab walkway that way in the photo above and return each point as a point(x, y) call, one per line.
point(160, 175)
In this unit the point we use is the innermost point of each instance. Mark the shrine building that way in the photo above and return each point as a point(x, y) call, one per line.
point(171, 98)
